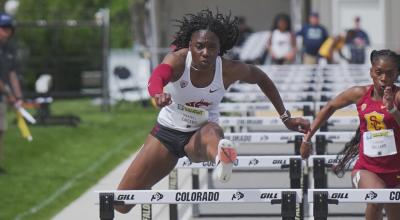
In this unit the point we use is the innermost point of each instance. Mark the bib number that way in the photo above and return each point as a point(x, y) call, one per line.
point(379, 143)
point(189, 117)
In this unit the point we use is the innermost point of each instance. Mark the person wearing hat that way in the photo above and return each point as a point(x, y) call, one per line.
point(313, 35)
point(10, 89)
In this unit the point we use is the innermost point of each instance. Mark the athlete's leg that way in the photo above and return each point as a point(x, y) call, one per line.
point(207, 144)
point(203, 145)
point(152, 163)
point(393, 209)
point(365, 179)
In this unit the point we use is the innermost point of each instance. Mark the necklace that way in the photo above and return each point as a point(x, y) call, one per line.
point(191, 65)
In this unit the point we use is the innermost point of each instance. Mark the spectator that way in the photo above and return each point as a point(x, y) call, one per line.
point(244, 31)
point(358, 44)
point(9, 83)
point(335, 44)
point(313, 35)
point(282, 43)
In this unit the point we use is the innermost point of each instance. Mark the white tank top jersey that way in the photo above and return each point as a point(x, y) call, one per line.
point(192, 106)
point(281, 43)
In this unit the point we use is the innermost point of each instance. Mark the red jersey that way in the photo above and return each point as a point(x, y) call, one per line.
point(374, 116)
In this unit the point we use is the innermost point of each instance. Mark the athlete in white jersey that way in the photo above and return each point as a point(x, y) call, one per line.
point(187, 123)
point(192, 106)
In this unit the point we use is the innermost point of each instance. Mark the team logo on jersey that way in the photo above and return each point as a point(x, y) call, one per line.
point(183, 83)
point(198, 104)
point(363, 107)
point(375, 121)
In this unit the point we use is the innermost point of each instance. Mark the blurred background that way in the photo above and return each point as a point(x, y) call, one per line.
point(84, 65)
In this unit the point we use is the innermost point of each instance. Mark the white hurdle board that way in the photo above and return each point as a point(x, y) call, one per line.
point(329, 159)
point(359, 195)
point(243, 162)
point(284, 137)
point(248, 106)
point(200, 196)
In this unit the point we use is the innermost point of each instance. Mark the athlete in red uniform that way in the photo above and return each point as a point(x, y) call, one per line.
point(378, 138)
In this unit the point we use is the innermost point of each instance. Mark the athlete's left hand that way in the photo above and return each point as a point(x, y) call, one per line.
point(388, 97)
point(298, 124)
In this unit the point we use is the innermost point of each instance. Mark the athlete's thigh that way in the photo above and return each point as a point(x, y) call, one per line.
point(152, 163)
point(393, 209)
point(367, 179)
point(204, 142)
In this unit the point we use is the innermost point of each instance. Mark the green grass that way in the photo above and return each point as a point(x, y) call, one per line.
point(57, 154)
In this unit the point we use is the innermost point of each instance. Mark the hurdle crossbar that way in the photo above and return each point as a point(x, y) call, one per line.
point(243, 162)
point(322, 197)
point(288, 198)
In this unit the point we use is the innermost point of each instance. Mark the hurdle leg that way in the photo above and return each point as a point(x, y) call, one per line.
point(146, 212)
point(195, 185)
point(320, 205)
point(106, 206)
point(288, 206)
point(173, 184)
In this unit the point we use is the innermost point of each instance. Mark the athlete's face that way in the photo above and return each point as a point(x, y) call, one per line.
point(384, 72)
point(205, 48)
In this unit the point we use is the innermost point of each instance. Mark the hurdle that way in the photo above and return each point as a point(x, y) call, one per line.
point(293, 163)
point(287, 198)
point(319, 163)
point(242, 124)
point(321, 198)
point(247, 108)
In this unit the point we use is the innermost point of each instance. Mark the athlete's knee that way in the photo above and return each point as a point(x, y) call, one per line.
point(123, 209)
point(375, 207)
point(212, 128)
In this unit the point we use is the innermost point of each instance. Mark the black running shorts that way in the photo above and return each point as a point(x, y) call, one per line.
point(175, 141)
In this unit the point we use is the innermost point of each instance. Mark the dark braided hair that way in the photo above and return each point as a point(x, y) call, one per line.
point(347, 155)
point(377, 54)
point(224, 26)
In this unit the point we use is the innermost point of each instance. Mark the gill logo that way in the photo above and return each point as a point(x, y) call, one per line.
point(375, 121)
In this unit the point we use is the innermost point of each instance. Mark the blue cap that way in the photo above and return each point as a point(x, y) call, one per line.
point(6, 20)
point(314, 14)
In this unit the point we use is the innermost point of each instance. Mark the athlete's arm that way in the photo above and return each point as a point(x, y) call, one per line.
point(396, 101)
point(164, 73)
point(253, 75)
point(349, 96)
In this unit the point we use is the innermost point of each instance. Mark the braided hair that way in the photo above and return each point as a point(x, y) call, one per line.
point(378, 54)
point(347, 155)
point(224, 26)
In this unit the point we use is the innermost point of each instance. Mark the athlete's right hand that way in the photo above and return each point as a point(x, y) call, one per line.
point(162, 99)
point(305, 149)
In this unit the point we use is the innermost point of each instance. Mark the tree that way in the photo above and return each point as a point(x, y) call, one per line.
point(63, 51)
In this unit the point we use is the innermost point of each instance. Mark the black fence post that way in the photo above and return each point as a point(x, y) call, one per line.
point(288, 206)
point(295, 173)
point(320, 177)
point(320, 144)
point(320, 205)
point(106, 206)
point(298, 139)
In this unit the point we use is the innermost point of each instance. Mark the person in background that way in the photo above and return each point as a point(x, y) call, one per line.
point(358, 44)
point(313, 35)
point(335, 44)
point(282, 43)
point(10, 89)
point(377, 140)
point(244, 31)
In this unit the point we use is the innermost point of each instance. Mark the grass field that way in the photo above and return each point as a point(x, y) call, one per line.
point(45, 175)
